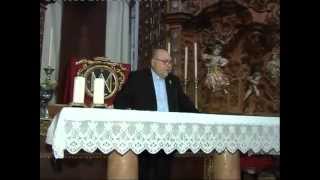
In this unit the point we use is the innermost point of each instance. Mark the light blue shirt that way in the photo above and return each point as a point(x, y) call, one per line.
point(161, 92)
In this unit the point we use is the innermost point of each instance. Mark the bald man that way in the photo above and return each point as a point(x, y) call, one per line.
point(154, 89)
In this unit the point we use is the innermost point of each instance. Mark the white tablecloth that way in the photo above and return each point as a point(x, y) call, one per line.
point(90, 129)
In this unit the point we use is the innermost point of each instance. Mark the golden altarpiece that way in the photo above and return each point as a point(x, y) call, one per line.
point(238, 70)
point(248, 36)
point(238, 56)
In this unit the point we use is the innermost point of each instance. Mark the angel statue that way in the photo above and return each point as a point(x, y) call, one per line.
point(273, 66)
point(216, 80)
point(253, 83)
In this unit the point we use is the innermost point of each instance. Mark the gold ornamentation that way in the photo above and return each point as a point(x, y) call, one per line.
point(113, 73)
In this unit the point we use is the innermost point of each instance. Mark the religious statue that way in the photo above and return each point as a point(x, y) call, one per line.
point(273, 66)
point(216, 80)
point(253, 83)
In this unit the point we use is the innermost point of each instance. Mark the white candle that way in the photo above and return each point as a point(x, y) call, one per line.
point(186, 63)
point(195, 61)
point(98, 91)
point(169, 48)
point(78, 90)
point(50, 46)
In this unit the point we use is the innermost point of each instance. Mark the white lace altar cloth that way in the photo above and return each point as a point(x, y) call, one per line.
point(90, 129)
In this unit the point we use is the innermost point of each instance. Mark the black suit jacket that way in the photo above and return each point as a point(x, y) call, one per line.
point(138, 93)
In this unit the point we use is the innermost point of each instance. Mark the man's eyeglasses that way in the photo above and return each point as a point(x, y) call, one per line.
point(164, 61)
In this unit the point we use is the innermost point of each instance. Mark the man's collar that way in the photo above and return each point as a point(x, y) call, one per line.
point(155, 75)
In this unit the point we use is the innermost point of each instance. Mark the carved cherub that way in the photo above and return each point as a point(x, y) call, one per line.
point(273, 66)
point(254, 81)
point(216, 79)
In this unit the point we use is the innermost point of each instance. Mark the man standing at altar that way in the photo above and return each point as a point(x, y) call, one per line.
point(154, 89)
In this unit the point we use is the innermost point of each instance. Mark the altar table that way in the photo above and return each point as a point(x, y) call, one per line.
point(125, 133)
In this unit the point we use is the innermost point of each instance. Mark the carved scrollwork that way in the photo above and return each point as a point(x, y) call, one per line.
point(273, 16)
point(259, 5)
point(225, 30)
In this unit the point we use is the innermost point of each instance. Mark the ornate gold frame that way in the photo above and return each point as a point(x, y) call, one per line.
point(116, 69)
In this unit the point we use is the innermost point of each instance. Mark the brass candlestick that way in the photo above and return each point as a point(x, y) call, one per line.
point(185, 85)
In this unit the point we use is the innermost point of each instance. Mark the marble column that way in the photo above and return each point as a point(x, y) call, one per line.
point(226, 166)
point(122, 166)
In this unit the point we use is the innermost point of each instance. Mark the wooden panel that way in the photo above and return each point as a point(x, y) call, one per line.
point(67, 169)
point(187, 167)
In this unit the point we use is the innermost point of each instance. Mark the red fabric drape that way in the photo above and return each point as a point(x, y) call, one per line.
point(71, 72)
point(258, 162)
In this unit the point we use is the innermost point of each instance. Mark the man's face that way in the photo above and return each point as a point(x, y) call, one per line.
point(162, 63)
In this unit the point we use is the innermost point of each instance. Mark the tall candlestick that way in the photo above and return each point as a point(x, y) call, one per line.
point(196, 93)
point(169, 48)
point(98, 91)
point(195, 61)
point(196, 74)
point(78, 90)
point(50, 46)
point(186, 63)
